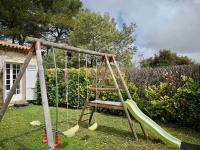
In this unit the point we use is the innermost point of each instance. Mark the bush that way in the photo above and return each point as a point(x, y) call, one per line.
point(73, 88)
point(187, 103)
point(156, 104)
point(72, 85)
point(181, 106)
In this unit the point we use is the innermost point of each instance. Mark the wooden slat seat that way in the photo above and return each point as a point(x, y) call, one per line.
point(102, 89)
point(106, 104)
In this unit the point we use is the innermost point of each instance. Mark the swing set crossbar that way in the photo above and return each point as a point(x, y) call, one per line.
point(67, 47)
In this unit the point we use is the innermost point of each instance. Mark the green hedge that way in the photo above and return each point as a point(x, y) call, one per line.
point(187, 103)
point(73, 87)
point(181, 107)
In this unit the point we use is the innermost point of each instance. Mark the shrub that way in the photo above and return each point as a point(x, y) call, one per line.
point(72, 87)
point(181, 106)
point(187, 103)
point(156, 104)
point(153, 76)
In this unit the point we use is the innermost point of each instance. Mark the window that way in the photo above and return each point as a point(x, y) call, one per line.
point(11, 74)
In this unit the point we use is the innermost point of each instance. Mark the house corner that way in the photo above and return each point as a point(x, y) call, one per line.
point(1, 87)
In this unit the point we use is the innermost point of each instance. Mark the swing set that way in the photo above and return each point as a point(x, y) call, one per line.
point(107, 59)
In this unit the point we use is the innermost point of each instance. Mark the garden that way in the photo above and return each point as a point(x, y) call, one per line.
point(175, 99)
point(173, 103)
point(113, 133)
point(84, 75)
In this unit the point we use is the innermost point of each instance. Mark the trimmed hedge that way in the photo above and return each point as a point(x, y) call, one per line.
point(62, 84)
point(187, 103)
point(181, 106)
point(73, 87)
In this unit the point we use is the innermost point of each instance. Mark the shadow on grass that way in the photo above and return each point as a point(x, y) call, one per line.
point(64, 145)
point(85, 135)
point(12, 138)
point(121, 133)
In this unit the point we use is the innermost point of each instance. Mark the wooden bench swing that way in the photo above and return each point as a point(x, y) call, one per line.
point(105, 104)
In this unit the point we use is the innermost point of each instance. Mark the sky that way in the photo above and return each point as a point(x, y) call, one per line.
point(161, 24)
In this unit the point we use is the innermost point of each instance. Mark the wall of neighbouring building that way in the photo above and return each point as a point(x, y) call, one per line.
point(13, 57)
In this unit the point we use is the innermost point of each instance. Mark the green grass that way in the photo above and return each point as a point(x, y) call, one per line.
point(113, 132)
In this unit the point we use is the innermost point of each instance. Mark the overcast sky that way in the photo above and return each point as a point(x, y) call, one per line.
point(169, 24)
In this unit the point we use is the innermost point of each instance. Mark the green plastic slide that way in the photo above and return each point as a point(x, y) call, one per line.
point(153, 127)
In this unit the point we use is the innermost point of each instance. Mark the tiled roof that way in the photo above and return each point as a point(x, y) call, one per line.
point(13, 47)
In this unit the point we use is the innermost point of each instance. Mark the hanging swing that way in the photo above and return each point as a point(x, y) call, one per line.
point(94, 126)
point(57, 142)
point(72, 131)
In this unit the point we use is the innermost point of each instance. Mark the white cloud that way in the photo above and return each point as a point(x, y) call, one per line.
point(173, 24)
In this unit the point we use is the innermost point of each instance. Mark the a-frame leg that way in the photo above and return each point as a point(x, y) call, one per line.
point(121, 98)
point(13, 88)
point(127, 91)
point(44, 97)
point(84, 107)
point(91, 115)
point(82, 112)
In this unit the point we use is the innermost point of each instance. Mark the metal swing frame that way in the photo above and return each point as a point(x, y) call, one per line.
point(36, 48)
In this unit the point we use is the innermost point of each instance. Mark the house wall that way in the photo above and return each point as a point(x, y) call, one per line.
point(13, 57)
point(1, 77)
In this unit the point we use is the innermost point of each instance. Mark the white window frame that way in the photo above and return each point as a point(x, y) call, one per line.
point(16, 96)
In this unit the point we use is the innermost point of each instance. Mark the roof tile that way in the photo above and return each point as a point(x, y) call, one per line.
point(9, 46)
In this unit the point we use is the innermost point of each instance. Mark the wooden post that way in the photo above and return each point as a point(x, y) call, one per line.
point(44, 96)
point(14, 86)
point(127, 91)
point(91, 115)
point(84, 107)
point(121, 98)
point(67, 47)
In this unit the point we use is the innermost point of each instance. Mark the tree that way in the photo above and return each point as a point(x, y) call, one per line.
point(13, 17)
point(99, 33)
point(124, 47)
point(166, 58)
point(61, 14)
point(42, 18)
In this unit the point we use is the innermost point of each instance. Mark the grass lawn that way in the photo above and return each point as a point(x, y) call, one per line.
point(113, 132)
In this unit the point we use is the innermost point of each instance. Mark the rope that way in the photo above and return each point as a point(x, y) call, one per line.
point(67, 86)
point(86, 77)
point(78, 100)
point(56, 77)
point(96, 75)
point(95, 86)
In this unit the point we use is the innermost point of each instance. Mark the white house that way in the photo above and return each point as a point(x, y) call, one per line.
point(12, 57)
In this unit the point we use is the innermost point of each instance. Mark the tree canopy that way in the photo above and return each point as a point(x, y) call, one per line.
point(66, 21)
point(100, 33)
point(166, 58)
point(42, 18)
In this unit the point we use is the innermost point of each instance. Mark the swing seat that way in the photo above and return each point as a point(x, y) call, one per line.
point(71, 132)
point(93, 127)
point(35, 123)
